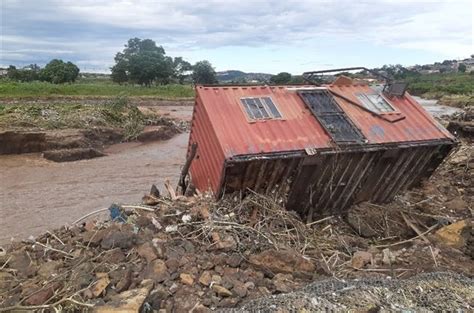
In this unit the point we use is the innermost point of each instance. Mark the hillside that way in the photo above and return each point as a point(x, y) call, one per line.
point(239, 76)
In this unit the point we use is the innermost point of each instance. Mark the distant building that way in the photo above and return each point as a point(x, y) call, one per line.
point(469, 62)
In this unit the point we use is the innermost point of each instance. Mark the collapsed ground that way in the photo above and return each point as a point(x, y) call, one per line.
point(191, 253)
point(79, 129)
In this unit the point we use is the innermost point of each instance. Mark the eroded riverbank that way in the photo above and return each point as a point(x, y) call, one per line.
point(38, 195)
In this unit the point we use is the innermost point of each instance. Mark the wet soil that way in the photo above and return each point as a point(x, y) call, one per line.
point(21, 141)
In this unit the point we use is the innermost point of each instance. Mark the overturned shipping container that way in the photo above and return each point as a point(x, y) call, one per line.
point(327, 147)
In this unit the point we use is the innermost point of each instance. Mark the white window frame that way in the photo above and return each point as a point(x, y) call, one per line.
point(373, 106)
point(270, 115)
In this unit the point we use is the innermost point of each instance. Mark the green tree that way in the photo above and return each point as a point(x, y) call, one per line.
point(462, 68)
point(181, 69)
point(142, 62)
point(281, 78)
point(59, 72)
point(204, 73)
point(119, 73)
point(13, 73)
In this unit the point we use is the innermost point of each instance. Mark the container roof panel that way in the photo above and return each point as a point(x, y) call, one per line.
point(298, 129)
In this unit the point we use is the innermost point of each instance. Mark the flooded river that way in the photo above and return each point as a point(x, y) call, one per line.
point(38, 195)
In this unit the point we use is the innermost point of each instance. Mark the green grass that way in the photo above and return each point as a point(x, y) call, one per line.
point(100, 89)
point(115, 113)
point(441, 84)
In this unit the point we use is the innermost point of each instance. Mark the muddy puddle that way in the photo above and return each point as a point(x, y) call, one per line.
point(38, 195)
point(436, 109)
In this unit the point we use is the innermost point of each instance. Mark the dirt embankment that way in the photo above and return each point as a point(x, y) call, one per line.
point(75, 131)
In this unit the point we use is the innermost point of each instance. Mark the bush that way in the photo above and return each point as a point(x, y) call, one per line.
point(59, 72)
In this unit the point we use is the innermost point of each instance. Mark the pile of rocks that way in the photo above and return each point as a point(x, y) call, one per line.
point(195, 254)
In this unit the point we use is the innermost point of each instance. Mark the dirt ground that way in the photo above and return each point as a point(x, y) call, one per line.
point(180, 254)
point(192, 253)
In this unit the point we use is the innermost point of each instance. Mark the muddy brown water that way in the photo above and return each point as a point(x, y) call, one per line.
point(37, 195)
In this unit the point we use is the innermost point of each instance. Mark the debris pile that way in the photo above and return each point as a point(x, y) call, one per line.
point(431, 292)
point(463, 124)
point(180, 253)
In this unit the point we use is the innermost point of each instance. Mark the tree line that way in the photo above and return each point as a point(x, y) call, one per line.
point(56, 72)
point(141, 62)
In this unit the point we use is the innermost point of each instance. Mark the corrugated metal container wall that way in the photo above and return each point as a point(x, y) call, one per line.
point(207, 166)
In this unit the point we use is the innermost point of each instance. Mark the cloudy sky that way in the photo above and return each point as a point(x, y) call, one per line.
point(250, 35)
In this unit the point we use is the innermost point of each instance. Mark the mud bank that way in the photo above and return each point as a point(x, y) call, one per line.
point(59, 145)
point(74, 144)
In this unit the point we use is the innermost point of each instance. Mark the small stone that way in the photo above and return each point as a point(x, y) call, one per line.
point(228, 302)
point(124, 282)
point(116, 256)
point(173, 288)
point(282, 262)
point(127, 301)
point(234, 260)
point(201, 309)
point(360, 259)
point(99, 286)
point(22, 263)
point(283, 282)
point(147, 251)
point(124, 239)
point(186, 279)
point(223, 241)
point(172, 264)
point(205, 278)
point(216, 279)
point(451, 235)
point(388, 257)
point(221, 291)
point(456, 204)
point(160, 248)
point(249, 285)
point(41, 296)
point(48, 269)
point(157, 271)
point(263, 291)
point(239, 289)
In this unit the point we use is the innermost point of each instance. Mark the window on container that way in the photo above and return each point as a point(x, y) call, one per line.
point(260, 108)
point(375, 103)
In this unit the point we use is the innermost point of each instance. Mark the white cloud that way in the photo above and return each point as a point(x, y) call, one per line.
point(100, 27)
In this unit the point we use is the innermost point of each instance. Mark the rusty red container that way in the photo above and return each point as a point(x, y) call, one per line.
point(247, 141)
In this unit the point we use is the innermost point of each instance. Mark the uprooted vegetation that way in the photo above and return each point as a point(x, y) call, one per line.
point(181, 253)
